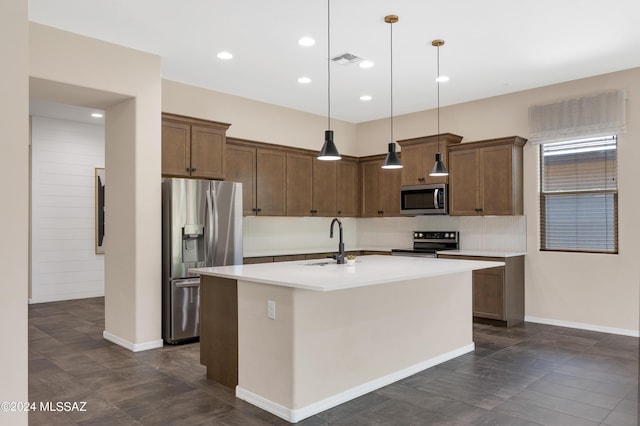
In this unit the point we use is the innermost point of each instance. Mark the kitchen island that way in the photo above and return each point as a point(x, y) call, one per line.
point(297, 338)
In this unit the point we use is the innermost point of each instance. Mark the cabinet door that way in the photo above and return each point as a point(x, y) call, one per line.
point(497, 181)
point(464, 183)
point(347, 188)
point(390, 194)
point(412, 165)
point(240, 167)
point(176, 148)
point(488, 293)
point(299, 184)
point(271, 183)
point(371, 187)
point(324, 187)
point(207, 152)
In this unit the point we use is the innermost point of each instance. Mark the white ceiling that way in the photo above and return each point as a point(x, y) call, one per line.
point(491, 47)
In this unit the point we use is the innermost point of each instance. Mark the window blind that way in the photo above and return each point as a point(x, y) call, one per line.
point(579, 195)
point(597, 115)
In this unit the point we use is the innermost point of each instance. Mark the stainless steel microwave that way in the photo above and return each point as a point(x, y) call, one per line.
point(424, 199)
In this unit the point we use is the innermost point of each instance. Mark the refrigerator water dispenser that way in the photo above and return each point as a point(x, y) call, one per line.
point(193, 243)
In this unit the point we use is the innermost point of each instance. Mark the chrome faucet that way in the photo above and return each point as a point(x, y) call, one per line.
point(340, 255)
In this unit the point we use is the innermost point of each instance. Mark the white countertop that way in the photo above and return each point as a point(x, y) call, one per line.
point(314, 250)
point(367, 271)
point(482, 253)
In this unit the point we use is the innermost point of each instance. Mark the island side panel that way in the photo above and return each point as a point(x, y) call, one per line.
point(351, 337)
point(323, 344)
point(265, 362)
point(219, 329)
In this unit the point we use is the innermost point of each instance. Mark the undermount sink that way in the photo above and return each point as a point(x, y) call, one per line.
point(321, 263)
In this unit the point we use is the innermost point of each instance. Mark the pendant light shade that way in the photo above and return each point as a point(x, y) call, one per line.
point(439, 169)
point(392, 161)
point(329, 150)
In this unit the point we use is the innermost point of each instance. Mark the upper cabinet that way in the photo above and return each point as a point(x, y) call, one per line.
point(262, 173)
point(285, 181)
point(193, 147)
point(485, 178)
point(380, 188)
point(418, 157)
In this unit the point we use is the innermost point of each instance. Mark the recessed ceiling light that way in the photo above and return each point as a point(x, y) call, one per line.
point(306, 41)
point(304, 80)
point(365, 98)
point(224, 55)
point(97, 115)
point(442, 79)
point(365, 64)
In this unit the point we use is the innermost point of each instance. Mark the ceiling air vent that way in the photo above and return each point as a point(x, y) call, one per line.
point(346, 59)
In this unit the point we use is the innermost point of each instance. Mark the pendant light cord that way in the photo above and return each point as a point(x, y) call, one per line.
point(391, 85)
point(438, 81)
point(329, 64)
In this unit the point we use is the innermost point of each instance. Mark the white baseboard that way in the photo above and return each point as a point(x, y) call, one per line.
point(133, 347)
point(583, 326)
point(67, 296)
point(298, 414)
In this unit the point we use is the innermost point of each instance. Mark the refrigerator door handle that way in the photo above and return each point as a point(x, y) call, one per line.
point(187, 283)
point(212, 229)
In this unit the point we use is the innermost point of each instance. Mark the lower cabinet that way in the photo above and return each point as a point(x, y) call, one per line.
point(498, 293)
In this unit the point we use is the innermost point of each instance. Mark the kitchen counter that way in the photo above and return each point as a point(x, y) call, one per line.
point(297, 338)
point(482, 253)
point(326, 275)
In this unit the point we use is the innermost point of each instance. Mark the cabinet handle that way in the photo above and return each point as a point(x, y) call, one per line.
point(254, 210)
point(188, 169)
point(258, 210)
point(339, 211)
point(193, 169)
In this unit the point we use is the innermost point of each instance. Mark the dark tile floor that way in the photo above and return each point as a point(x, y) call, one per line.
point(528, 375)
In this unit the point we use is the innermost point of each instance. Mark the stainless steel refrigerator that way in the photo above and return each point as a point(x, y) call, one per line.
point(201, 227)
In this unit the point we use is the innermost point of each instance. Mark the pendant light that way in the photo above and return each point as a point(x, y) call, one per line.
point(391, 161)
point(329, 150)
point(439, 169)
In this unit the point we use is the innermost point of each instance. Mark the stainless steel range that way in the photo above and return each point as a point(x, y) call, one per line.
point(427, 243)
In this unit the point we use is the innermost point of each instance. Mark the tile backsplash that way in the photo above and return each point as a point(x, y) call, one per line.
point(281, 235)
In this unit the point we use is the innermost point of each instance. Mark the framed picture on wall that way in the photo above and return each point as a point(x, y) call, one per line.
point(100, 182)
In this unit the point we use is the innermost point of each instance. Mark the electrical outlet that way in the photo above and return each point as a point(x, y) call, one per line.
point(271, 309)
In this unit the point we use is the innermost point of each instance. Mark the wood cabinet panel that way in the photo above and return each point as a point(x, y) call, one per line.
point(176, 148)
point(346, 188)
point(241, 167)
point(497, 182)
point(324, 187)
point(207, 152)
point(299, 184)
point(271, 182)
point(488, 293)
point(464, 182)
point(486, 177)
point(192, 147)
point(371, 186)
point(380, 189)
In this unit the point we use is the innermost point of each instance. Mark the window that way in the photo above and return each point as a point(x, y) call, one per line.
point(579, 195)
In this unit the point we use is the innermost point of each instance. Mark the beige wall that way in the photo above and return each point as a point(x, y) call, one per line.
point(14, 214)
point(255, 120)
point(69, 68)
point(587, 289)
